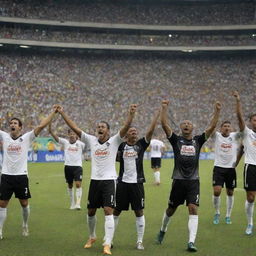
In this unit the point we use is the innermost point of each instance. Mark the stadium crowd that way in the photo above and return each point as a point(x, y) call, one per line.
point(121, 12)
point(126, 39)
point(92, 88)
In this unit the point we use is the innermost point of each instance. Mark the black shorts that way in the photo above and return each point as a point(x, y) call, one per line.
point(101, 194)
point(73, 173)
point(129, 193)
point(155, 162)
point(184, 190)
point(224, 175)
point(250, 177)
point(17, 184)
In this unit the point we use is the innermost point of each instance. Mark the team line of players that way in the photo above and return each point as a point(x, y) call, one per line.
point(114, 198)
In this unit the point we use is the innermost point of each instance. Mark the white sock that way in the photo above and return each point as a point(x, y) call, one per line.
point(140, 225)
point(91, 221)
point(165, 222)
point(71, 196)
point(157, 176)
point(25, 215)
point(109, 229)
point(79, 192)
point(116, 220)
point(216, 203)
point(3, 215)
point(249, 207)
point(230, 203)
point(192, 227)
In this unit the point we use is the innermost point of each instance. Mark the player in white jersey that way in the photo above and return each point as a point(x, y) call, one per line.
point(249, 147)
point(226, 147)
point(157, 148)
point(14, 171)
point(73, 152)
point(103, 174)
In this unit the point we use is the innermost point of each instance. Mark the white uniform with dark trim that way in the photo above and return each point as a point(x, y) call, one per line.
point(72, 152)
point(15, 155)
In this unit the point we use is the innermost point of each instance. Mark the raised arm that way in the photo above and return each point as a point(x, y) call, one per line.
point(45, 121)
point(214, 121)
point(152, 126)
point(52, 133)
point(164, 119)
point(131, 114)
point(241, 122)
point(69, 122)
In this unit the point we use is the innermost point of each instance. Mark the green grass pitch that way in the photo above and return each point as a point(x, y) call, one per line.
point(55, 230)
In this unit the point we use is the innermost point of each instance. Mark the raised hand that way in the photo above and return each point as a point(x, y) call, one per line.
point(236, 95)
point(218, 105)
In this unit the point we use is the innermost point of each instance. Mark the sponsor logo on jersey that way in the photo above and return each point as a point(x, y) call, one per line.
point(72, 149)
point(187, 150)
point(101, 153)
point(225, 146)
point(128, 154)
point(14, 149)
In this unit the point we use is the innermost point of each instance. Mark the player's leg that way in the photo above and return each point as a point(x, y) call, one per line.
point(218, 179)
point(108, 196)
point(155, 165)
point(249, 209)
point(122, 201)
point(6, 192)
point(192, 199)
point(250, 187)
point(176, 198)
point(23, 194)
point(25, 215)
point(94, 202)
point(230, 182)
point(3, 215)
point(78, 175)
point(137, 199)
point(70, 190)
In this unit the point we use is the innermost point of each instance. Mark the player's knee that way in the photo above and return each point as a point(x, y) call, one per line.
point(217, 190)
point(91, 212)
point(230, 192)
point(192, 209)
point(138, 213)
point(250, 197)
point(108, 210)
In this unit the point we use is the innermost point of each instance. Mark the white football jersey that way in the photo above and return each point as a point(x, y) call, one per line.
point(103, 156)
point(15, 155)
point(226, 149)
point(72, 152)
point(249, 142)
point(156, 148)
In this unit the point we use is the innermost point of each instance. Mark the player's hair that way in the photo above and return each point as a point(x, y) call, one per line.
point(106, 123)
point(17, 119)
point(252, 116)
point(225, 122)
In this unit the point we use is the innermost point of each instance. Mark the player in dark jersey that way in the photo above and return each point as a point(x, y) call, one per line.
point(130, 189)
point(185, 186)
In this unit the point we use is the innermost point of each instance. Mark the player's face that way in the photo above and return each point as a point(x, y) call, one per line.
point(253, 122)
point(15, 128)
point(132, 135)
point(102, 132)
point(186, 127)
point(72, 137)
point(226, 129)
